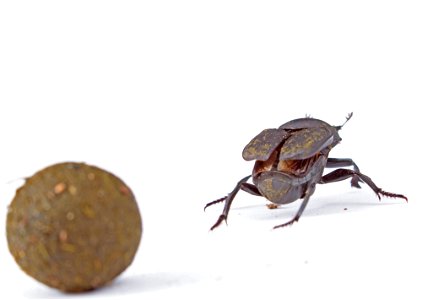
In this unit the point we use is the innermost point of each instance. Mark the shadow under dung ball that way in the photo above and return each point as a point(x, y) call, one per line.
point(73, 227)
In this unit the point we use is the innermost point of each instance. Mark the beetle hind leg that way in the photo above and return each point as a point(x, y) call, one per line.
point(345, 162)
point(342, 174)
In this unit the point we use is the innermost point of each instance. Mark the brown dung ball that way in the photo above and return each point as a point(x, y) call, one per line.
point(73, 227)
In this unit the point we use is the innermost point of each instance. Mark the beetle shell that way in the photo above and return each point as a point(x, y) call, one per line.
point(263, 145)
point(306, 142)
point(303, 138)
point(304, 123)
point(290, 157)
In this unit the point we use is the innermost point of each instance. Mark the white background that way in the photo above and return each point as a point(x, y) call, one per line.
point(165, 94)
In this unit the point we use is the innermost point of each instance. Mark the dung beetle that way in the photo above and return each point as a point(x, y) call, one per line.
point(290, 161)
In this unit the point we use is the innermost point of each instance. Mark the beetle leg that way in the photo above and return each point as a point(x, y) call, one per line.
point(304, 203)
point(345, 162)
point(250, 188)
point(342, 174)
point(246, 187)
point(228, 200)
point(215, 202)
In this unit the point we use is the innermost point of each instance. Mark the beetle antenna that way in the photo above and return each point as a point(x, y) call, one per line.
point(346, 120)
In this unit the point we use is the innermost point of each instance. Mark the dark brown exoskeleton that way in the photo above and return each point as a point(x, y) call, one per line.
point(290, 161)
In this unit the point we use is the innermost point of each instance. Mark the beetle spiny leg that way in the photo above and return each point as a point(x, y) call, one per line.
point(391, 195)
point(228, 200)
point(342, 174)
point(285, 224)
point(300, 211)
point(215, 202)
point(219, 221)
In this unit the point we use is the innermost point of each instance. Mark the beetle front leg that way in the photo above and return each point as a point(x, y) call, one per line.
point(250, 189)
point(228, 200)
point(345, 162)
point(342, 174)
point(246, 187)
point(304, 203)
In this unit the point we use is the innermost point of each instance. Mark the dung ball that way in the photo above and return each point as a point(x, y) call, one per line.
point(73, 227)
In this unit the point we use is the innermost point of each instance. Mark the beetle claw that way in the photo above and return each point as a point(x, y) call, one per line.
point(285, 224)
point(215, 202)
point(219, 221)
point(391, 195)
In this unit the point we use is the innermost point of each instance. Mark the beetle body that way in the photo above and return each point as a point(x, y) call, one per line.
point(288, 168)
point(290, 161)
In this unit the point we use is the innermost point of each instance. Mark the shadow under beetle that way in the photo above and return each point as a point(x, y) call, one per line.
point(290, 161)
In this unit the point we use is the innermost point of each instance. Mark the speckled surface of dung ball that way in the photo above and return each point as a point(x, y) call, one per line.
point(73, 227)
